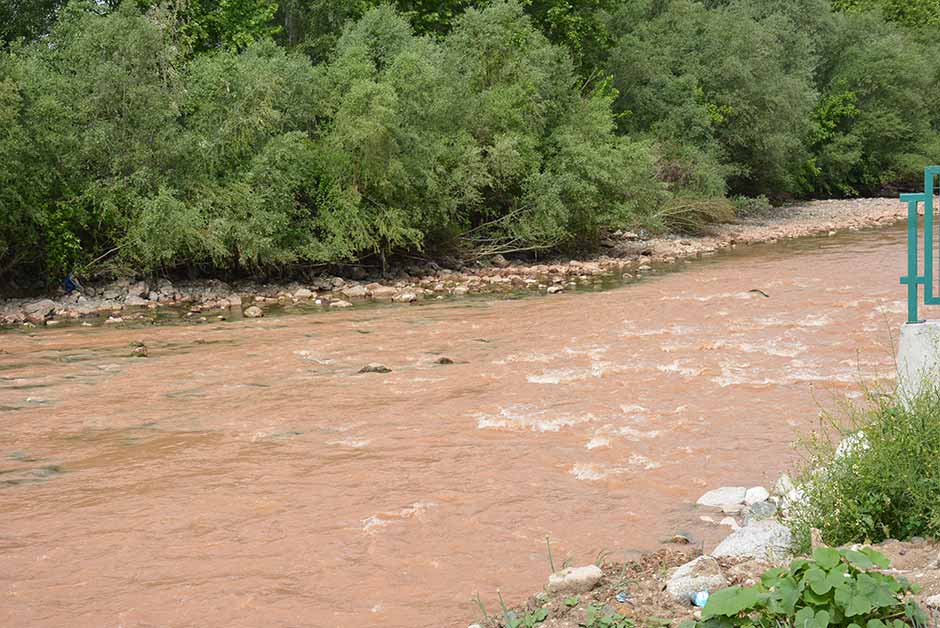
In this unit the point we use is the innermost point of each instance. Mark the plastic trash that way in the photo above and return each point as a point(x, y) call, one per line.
point(700, 598)
point(622, 597)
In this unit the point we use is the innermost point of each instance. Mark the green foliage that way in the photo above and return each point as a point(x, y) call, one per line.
point(883, 483)
point(909, 12)
point(597, 616)
point(833, 588)
point(725, 82)
point(527, 620)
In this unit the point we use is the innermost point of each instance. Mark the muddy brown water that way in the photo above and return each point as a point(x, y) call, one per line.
point(244, 475)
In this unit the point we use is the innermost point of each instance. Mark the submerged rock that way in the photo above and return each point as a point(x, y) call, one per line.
point(444, 360)
point(766, 540)
point(759, 512)
point(253, 312)
point(375, 367)
point(702, 574)
point(340, 303)
point(575, 579)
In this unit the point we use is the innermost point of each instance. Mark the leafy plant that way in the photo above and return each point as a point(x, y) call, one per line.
point(886, 487)
point(598, 616)
point(571, 601)
point(833, 588)
point(528, 620)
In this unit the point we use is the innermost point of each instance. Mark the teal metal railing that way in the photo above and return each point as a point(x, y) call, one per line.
point(912, 280)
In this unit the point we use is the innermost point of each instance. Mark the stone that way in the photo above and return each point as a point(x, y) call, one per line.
point(340, 303)
point(139, 352)
point(253, 311)
point(337, 282)
point(443, 360)
point(113, 320)
point(765, 540)
point(759, 512)
point(354, 292)
point(731, 522)
point(304, 293)
point(139, 289)
point(461, 290)
point(37, 311)
point(375, 367)
point(733, 509)
point(574, 580)
point(783, 486)
point(378, 291)
point(133, 300)
point(405, 297)
point(724, 496)
point(500, 261)
point(702, 574)
point(52, 323)
point(756, 494)
point(555, 289)
point(932, 602)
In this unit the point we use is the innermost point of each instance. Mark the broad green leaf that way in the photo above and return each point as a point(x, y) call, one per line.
point(858, 559)
point(880, 560)
point(875, 623)
point(785, 595)
point(729, 602)
point(805, 618)
point(818, 581)
point(827, 557)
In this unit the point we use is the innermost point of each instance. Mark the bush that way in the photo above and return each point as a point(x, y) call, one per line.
point(883, 481)
point(833, 588)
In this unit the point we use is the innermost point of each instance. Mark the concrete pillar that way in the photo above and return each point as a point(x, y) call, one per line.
point(918, 357)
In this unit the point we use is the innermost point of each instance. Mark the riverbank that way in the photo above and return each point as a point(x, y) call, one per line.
point(623, 255)
point(659, 589)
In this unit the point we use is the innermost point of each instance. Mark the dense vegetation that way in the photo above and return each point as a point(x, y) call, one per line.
point(882, 481)
point(239, 136)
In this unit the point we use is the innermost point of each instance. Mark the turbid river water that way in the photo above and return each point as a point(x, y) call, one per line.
point(244, 475)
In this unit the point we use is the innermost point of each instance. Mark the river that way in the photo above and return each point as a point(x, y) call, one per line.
point(245, 475)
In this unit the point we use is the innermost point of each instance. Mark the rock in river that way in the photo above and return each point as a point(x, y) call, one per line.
point(375, 367)
point(253, 312)
point(723, 497)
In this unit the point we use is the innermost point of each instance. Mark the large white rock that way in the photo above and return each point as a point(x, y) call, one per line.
point(755, 495)
point(574, 579)
point(724, 496)
point(765, 540)
point(701, 574)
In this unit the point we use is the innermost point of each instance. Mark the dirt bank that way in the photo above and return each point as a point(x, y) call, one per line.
point(622, 256)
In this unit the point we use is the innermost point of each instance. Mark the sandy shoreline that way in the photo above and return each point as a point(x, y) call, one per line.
point(622, 254)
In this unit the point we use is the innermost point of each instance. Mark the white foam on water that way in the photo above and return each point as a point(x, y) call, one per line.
point(773, 346)
point(711, 297)
point(676, 367)
point(355, 443)
point(527, 357)
point(630, 330)
point(592, 472)
point(310, 356)
point(566, 376)
point(741, 375)
point(374, 523)
point(597, 441)
point(523, 418)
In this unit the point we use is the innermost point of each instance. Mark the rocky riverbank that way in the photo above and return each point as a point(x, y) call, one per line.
point(623, 256)
point(669, 586)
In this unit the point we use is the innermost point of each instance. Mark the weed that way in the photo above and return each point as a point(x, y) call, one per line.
point(833, 588)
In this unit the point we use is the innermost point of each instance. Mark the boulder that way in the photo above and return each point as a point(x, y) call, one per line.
point(340, 303)
point(405, 297)
point(574, 580)
point(133, 300)
point(723, 497)
point(555, 289)
point(139, 289)
point(378, 291)
point(304, 293)
point(766, 540)
point(43, 307)
point(702, 574)
point(759, 512)
point(354, 292)
point(755, 495)
point(253, 312)
point(234, 300)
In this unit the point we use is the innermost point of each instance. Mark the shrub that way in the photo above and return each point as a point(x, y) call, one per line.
point(883, 481)
point(833, 588)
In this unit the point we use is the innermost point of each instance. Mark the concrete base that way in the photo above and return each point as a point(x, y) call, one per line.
point(918, 357)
